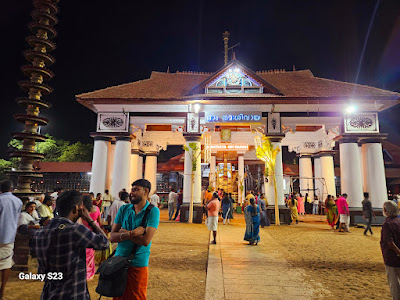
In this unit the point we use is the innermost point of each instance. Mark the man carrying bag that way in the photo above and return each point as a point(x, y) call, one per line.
point(133, 229)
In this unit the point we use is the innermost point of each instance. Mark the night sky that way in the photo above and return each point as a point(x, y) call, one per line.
point(105, 43)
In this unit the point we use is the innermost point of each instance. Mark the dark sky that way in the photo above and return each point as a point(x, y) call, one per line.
point(105, 43)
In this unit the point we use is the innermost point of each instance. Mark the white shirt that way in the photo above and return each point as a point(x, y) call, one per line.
point(27, 219)
point(114, 209)
point(172, 197)
point(155, 199)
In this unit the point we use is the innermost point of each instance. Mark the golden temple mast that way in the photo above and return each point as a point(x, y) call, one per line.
point(42, 29)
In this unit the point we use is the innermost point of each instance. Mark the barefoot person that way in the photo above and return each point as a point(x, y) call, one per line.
point(128, 233)
point(10, 207)
point(60, 248)
point(252, 217)
point(212, 220)
point(344, 214)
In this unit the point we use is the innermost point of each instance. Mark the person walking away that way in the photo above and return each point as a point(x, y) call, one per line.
point(94, 213)
point(230, 213)
point(212, 220)
point(294, 215)
point(128, 233)
point(179, 203)
point(300, 204)
point(344, 214)
point(115, 206)
point(171, 200)
point(264, 221)
point(252, 218)
point(60, 248)
point(226, 206)
point(390, 244)
point(331, 211)
point(367, 213)
point(107, 201)
point(315, 204)
point(10, 208)
point(155, 199)
point(207, 198)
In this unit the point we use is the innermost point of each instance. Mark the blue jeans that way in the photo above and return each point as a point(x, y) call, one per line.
point(315, 209)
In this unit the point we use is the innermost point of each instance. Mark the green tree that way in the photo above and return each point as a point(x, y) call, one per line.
point(77, 152)
point(59, 150)
point(5, 167)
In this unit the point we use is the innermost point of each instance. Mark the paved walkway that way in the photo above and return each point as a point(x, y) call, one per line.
point(237, 270)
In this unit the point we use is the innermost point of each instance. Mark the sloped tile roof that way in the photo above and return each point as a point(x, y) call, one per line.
point(62, 167)
point(292, 84)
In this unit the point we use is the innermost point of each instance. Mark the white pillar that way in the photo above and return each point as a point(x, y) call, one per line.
point(99, 164)
point(269, 187)
point(140, 167)
point(212, 176)
point(122, 163)
point(110, 165)
point(187, 181)
point(320, 189)
point(241, 181)
point(150, 170)
point(328, 173)
point(134, 165)
point(363, 177)
point(374, 169)
point(350, 172)
point(306, 174)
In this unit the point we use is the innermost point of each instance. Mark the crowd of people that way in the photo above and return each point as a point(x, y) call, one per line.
point(69, 230)
point(66, 230)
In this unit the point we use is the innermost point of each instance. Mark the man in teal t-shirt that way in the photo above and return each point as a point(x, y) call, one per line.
point(127, 231)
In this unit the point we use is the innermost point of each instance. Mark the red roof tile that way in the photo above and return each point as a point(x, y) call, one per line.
point(62, 167)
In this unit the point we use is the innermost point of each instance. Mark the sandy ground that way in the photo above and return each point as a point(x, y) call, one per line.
point(347, 265)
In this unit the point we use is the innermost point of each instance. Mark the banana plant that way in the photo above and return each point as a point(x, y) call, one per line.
point(266, 152)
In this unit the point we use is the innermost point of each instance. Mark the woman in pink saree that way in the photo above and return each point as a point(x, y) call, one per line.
point(300, 205)
point(95, 214)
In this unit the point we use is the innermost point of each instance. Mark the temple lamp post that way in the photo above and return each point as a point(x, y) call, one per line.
point(266, 152)
point(194, 152)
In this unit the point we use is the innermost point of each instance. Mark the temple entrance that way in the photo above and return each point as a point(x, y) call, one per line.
point(227, 174)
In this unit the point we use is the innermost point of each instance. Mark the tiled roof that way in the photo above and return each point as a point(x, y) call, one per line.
point(62, 167)
point(292, 84)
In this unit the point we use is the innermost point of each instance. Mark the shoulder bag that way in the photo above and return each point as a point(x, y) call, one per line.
point(114, 271)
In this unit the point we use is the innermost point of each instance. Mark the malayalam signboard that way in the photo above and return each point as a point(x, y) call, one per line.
point(233, 117)
point(229, 147)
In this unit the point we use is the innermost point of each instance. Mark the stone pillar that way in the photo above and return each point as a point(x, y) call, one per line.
point(150, 170)
point(212, 175)
point(241, 181)
point(320, 189)
point(122, 163)
point(350, 171)
point(140, 166)
point(99, 164)
point(134, 165)
point(306, 174)
point(192, 190)
point(110, 165)
point(269, 188)
point(328, 173)
point(374, 172)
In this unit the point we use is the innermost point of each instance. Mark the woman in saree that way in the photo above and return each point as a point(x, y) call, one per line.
point(252, 217)
point(292, 204)
point(331, 211)
point(95, 214)
point(300, 205)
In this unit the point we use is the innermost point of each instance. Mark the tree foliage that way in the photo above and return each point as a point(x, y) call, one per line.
point(59, 150)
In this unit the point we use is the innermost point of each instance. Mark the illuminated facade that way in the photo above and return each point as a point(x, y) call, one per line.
point(217, 117)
